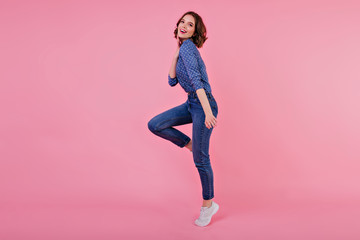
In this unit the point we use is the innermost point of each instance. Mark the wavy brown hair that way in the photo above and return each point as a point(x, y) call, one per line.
point(199, 36)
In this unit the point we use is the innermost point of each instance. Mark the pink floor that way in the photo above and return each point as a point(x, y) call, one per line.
point(165, 220)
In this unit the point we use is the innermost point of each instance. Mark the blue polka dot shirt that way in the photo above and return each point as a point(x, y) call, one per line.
point(190, 69)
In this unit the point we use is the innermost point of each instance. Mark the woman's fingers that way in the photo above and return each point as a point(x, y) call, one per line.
point(211, 123)
point(214, 121)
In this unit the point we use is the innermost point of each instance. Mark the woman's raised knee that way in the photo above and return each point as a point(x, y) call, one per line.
point(152, 125)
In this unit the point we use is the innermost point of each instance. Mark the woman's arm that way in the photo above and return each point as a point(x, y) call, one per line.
point(204, 101)
point(172, 72)
point(172, 80)
point(210, 119)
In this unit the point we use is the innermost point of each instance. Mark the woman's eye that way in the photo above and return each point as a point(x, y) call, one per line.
point(189, 24)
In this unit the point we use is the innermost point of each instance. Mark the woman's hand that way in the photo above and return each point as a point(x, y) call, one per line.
point(179, 42)
point(210, 120)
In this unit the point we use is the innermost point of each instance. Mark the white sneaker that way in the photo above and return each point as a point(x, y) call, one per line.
point(206, 213)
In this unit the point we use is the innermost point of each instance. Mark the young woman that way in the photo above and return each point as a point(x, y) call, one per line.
point(200, 109)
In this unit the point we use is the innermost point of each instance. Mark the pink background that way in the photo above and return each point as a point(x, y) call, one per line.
point(81, 79)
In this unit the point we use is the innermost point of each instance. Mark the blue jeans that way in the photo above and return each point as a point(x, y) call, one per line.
point(190, 112)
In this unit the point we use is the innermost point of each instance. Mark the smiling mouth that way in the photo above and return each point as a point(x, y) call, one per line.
point(183, 31)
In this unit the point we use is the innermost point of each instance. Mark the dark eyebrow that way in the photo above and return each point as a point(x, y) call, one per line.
point(184, 20)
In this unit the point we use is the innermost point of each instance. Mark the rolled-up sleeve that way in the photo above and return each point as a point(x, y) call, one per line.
point(191, 65)
point(172, 81)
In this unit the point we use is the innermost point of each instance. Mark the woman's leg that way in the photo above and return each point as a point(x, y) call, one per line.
point(162, 124)
point(201, 142)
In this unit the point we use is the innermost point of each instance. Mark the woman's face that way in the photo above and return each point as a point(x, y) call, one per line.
point(186, 27)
